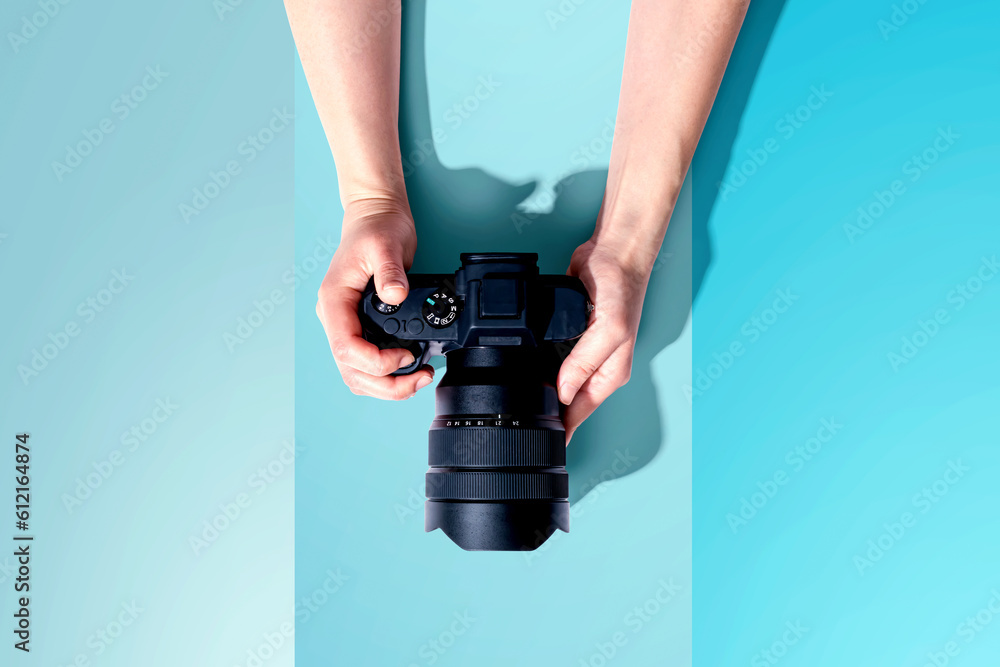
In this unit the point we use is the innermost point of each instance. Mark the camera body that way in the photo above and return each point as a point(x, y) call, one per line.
point(493, 300)
point(497, 446)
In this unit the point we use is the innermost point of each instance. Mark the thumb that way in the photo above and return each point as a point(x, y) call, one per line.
point(390, 277)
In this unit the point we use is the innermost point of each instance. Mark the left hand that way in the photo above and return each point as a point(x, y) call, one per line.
point(601, 362)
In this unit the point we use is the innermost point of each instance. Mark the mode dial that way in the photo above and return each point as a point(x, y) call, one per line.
point(441, 308)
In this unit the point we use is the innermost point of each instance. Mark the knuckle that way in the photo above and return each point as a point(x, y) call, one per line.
point(340, 350)
point(324, 292)
point(586, 367)
point(601, 382)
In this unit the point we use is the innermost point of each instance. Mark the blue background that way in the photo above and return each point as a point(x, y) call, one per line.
point(161, 338)
point(783, 228)
point(359, 502)
point(803, 557)
point(827, 356)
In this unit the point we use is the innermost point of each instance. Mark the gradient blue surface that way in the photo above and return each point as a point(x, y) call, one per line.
point(842, 368)
point(145, 421)
point(799, 551)
point(372, 588)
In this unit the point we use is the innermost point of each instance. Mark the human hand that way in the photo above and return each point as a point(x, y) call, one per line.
point(601, 361)
point(378, 240)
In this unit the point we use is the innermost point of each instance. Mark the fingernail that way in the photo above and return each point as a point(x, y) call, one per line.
point(423, 382)
point(394, 284)
point(407, 360)
point(565, 394)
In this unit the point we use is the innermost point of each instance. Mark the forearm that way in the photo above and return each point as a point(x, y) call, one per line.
point(675, 57)
point(350, 54)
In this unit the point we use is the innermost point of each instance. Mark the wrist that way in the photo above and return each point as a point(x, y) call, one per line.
point(638, 202)
point(633, 236)
point(377, 181)
point(369, 204)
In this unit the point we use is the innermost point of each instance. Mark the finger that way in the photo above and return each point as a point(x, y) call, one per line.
point(583, 406)
point(609, 377)
point(390, 276)
point(338, 310)
point(392, 388)
point(597, 344)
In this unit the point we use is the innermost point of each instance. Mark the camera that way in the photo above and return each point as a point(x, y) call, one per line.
point(497, 447)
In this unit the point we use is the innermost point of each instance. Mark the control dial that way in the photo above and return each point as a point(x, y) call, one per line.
point(383, 307)
point(441, 308)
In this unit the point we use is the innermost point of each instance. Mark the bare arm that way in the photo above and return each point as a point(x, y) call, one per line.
point(675, 57)
point(354, 80)
point(350, 53)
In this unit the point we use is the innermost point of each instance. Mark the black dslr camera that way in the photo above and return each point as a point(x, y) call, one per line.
point(497, 478)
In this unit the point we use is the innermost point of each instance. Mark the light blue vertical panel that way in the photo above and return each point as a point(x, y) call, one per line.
point(147, 331)
point(505, 123)
point(845, 384)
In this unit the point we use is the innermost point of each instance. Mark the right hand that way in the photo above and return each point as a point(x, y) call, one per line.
point(378, 240)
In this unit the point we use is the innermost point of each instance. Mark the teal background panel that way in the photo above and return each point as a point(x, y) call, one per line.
point(161, 429)
point(845, 373)
point(505, 137)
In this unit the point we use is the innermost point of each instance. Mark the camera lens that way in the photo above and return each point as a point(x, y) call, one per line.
point(497, 451)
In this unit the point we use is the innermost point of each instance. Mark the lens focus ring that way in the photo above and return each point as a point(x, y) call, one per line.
point(474, 447)
point(447, 485)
